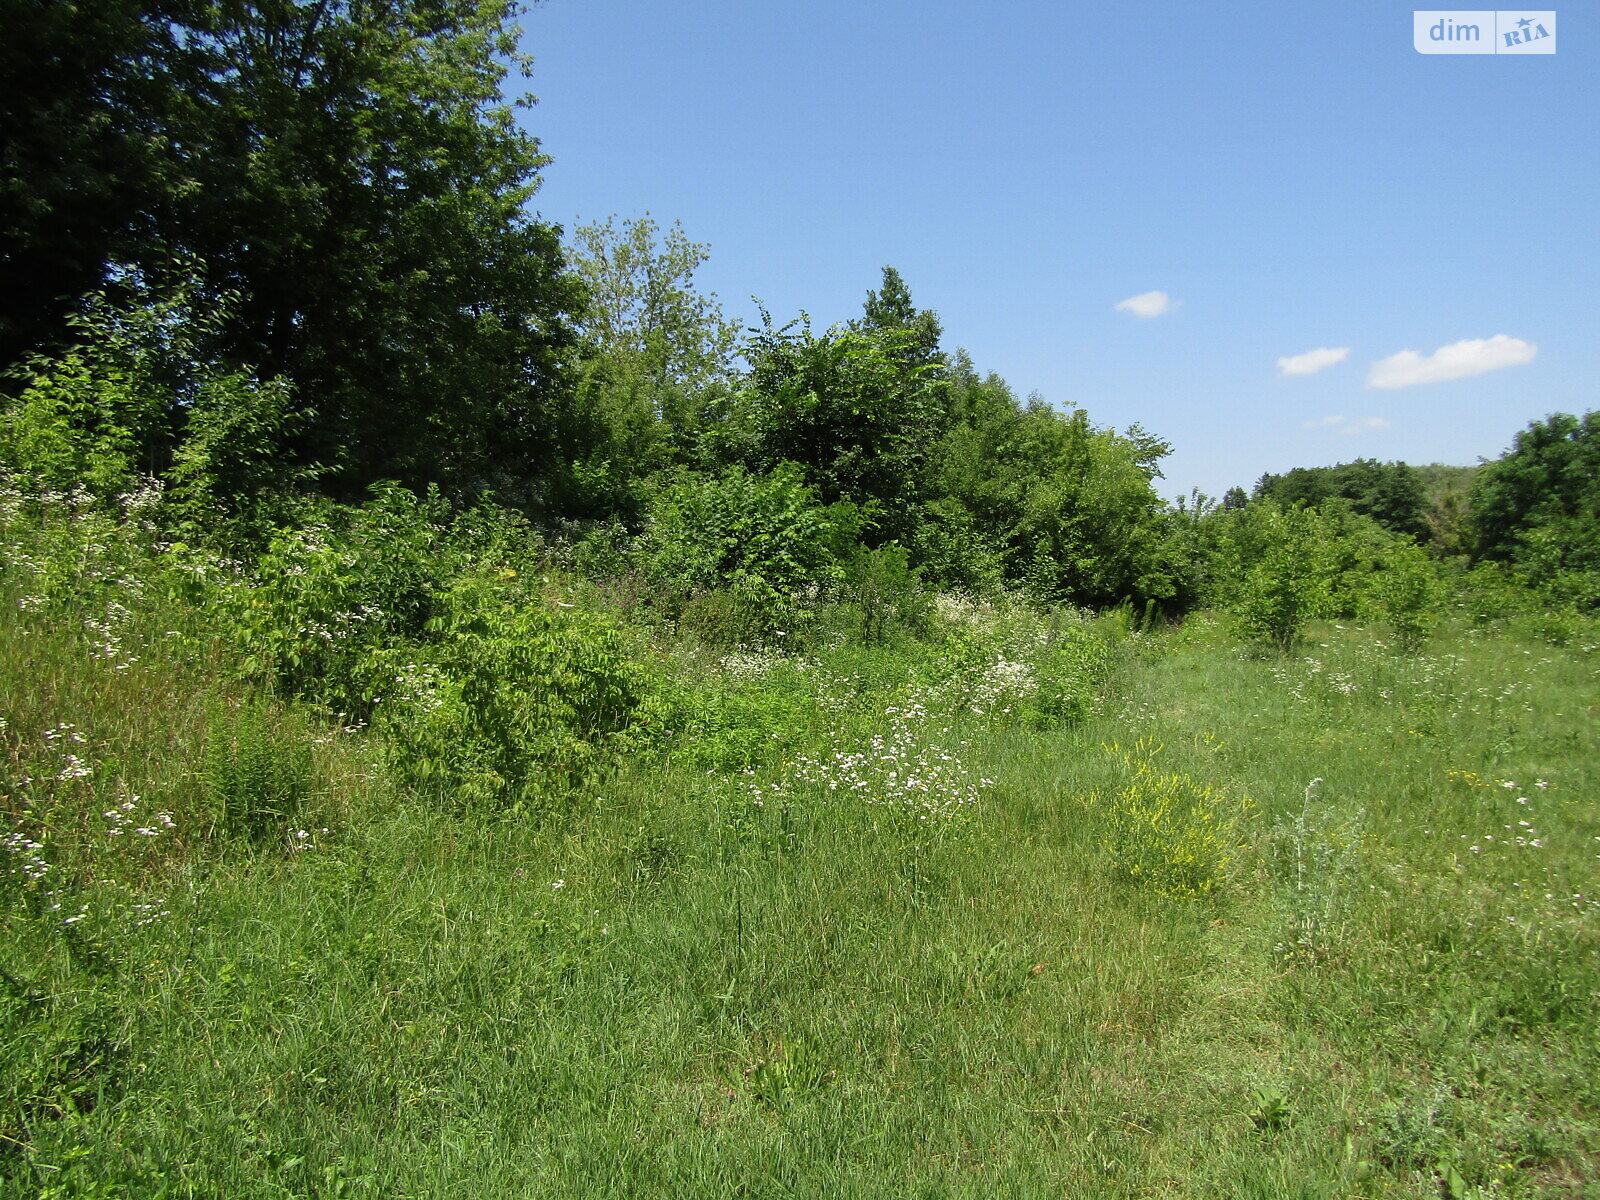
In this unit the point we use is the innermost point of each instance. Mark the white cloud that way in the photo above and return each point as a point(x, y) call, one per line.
point(1147, 304)
point(1455, 361)
point(1350, 425)
point(1312, 361)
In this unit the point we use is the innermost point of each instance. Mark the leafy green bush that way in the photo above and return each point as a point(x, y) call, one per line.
point(517, 693)
point(760, 539)
point(232, 480)
point(1070, 672)
point(886, 595)
point(101, 413)
point(256, 771)
point(1493, 592)
point(1410, 594)
point(327, 601)
point(136, 399)
point(1288, 582)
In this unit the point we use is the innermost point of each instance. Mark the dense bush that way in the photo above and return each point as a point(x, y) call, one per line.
point(512, 701)
point(762, 541)
point(1288, 582)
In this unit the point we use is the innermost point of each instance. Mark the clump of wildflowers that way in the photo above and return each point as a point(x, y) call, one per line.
point(912, 767)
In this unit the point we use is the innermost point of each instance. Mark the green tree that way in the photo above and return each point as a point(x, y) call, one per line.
point(1390, 493)
point(1549, 478)
point(354, 175)
point(92, 92)
point(1287, 583)
point(845, 407)
point(1410, 594)
point(655, 355)
point(1538, 507)
point(891, 310)
point(1045, 499)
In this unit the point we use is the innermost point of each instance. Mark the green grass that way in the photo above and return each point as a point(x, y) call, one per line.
point(665, 988)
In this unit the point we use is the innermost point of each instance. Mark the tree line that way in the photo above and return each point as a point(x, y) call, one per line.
point(281, 252)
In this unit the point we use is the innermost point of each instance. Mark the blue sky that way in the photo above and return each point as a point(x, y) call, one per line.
point(1293, 177)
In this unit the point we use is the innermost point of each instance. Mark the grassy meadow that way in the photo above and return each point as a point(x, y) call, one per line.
point(479, 721)
point(1039, 904)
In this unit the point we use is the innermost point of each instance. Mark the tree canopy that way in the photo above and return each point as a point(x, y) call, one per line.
point(351, 173)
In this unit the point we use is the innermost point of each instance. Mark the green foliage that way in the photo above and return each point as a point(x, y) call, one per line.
point(885, 595)
point(231, 480)
point(256, 770)
point(1537, 510)
point(749, 710)
point(761, 539)
point(1391, 494)
point(135, 399)
point(1067, 509)
point(891, 310)
point(656, 354)
point(1449, 516)
point(353, 174)
point(326, 600)
point(1175, 834)
point(1277, 568)
point(1411, 595)
point(102, 413)
point(1287, 583)
point(846, 408)
point(516, 700)
point(93, 90)
point(1547, 483)
point(1070, 673)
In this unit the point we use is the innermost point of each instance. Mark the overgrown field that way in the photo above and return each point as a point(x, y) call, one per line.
point(1032, 904)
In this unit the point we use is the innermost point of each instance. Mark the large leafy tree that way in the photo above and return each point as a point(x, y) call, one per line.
point(1539, 505)
point(656, 354)
point(1046, 499)
point(351, 171)
point(1390, 493)
point(365, 195)
point(848, 410)
point(92, 92)
point(890, 309)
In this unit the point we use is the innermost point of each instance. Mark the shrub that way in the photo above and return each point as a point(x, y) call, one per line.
point(256, 771)
point(100, 413)
point(1174, 834)
point(886, 595)
point(327, 600)
point(1070, 673)
point(761, 539)
point(1289, 582)
point(518, 694)
point(1410, 594)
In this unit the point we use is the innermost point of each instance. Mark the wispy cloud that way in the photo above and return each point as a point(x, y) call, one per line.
point(1312, 361)
point(1455, 361)
point(1350, 425)
point(1148, 304)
